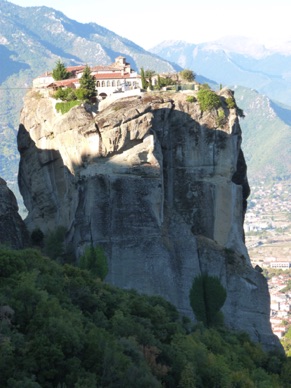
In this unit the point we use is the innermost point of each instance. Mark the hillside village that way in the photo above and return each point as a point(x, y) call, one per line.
point(280, 303)
point(267, 225)
point(267, 229)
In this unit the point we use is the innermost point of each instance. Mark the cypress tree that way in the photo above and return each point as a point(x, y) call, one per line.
point(144, 82)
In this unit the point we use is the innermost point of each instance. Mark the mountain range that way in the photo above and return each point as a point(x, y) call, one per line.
point(266, 131)
point(32, 39)
point(238, 61)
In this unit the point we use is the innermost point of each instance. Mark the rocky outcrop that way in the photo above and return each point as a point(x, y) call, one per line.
point(159, 185)
point(13, 231)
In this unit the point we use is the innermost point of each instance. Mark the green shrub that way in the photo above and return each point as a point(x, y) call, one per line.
point(220, 117)
point(208, 100)
point(65, 94)
point(64, 107)
point(81, 94)
point(166, 81)
point(230, 102)
point(61, 94)
point(191, 99)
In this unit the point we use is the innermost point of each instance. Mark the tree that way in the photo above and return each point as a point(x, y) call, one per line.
point(208, 99)
point(187, 75)
point(144, 83)
point(149, 75)
point(66, 94)
point(95, 261)
point(37, 236)
point(87, 84)
point(207, 296)
point(60, 72)
point(230, 102)
point(165, 81)
point(159, 85)
point(146, 78)
point(54, 243)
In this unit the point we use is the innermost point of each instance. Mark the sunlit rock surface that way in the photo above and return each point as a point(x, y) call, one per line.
point(159, 185)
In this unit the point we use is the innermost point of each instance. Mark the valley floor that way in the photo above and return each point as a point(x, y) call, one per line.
point(268, 239)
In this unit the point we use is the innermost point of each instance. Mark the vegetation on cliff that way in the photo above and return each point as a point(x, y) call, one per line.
point(187, 75)
point(208, 99)
point(62, 326)
point(72, 97)
point(207, 297)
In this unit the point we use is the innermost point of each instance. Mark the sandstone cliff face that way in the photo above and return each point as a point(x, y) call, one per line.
point(13, 231)
point(159, 185)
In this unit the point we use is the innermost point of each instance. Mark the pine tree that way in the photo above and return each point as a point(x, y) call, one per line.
point(87, 84)
point(60, 72)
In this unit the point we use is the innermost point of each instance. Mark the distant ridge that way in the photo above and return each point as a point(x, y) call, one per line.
point(236, 61)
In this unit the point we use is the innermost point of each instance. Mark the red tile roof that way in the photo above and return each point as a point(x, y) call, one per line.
point(112, 76)
point(65, 82)
point(106, 68)
point(75, 68)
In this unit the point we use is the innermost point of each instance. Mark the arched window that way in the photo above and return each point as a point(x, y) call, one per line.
point(108, 83)
point(98, 84)
point(118, 83)
point(103, 84)
point(113, 83)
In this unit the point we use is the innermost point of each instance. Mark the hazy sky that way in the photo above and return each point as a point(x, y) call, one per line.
point(149, 22)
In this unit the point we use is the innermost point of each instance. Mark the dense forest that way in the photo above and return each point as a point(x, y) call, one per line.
point(62, 326)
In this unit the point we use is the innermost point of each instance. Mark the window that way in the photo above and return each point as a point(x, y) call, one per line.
point(103, 84)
